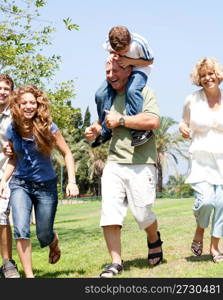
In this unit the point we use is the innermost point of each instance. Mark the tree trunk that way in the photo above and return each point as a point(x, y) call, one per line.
point(160, 180)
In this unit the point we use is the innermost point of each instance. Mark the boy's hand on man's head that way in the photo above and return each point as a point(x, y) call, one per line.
point(123, 61)
point(112, 56)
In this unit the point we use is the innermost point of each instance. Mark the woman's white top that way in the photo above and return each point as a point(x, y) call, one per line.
point(206, 148)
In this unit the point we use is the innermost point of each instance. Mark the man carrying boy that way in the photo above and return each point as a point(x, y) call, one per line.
point(128, 50)
point(129, 177)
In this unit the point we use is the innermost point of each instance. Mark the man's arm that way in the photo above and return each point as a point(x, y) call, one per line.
point(184, 126)
point(141, 121)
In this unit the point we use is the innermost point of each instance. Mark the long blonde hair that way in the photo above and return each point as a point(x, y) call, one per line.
point(40, 125)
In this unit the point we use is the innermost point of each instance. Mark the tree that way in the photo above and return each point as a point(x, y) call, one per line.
point(96, 164)
point(169, 146)
point(87, 118)
point(90, 165)
point(176, 187)
point(21, 46)
point(21, 56)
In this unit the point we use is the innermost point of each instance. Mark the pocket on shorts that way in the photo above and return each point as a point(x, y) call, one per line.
point(145, 187)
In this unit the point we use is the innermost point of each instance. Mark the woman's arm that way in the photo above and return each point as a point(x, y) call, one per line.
point(72, 188)
point(184, 125)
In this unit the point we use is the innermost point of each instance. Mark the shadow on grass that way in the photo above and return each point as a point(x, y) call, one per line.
point(205, 257)
point(69, 234)
point(140, 263)
point(66, 221)
point(58, 274)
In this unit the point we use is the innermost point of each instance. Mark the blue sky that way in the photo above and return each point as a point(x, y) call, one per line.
point(180, 33)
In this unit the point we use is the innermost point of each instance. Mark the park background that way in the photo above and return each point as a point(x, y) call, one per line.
point(180, 33)
point(58, 47)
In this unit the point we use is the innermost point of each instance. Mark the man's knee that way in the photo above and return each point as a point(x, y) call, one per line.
point(111, 227)
point(145, 221)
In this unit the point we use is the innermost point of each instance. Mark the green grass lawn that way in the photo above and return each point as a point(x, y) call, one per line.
point(84, 252)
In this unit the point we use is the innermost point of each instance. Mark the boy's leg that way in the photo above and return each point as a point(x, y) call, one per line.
point(134, 99)
point(104, 97)
point(101, 99)
point(134, 105)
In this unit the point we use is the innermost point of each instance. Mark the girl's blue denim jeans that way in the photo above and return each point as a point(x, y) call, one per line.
point(43, 196)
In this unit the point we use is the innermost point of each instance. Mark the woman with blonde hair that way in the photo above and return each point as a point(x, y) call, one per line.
point(203, 123)
point(32, 136)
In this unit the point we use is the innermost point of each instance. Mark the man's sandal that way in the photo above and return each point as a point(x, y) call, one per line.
point(217, 258)
point(55, 252)
point(159, 255)
point(111, 270)
point(197, 248)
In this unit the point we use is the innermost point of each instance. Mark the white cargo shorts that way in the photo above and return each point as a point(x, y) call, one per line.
point(126, 185)
point(4, 208)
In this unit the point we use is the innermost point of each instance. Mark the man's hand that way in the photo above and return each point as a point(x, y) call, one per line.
point(92, 132)
point(111, 119)
point(184, 130)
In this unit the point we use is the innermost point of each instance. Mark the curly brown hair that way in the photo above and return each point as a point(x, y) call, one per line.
point(119, 38)
point(40, 125)
point(8, 80)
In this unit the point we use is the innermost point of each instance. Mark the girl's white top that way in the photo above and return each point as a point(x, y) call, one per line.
point(206, 148)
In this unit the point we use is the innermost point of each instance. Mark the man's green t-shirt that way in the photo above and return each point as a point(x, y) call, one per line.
point(120, 149)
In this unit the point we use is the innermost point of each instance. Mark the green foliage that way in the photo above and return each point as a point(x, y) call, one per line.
point(21, 56)
point(40, 3)
point(64, 115)
point(69, 25)
point(177, 188)
point(21, 45)
point(90, 164)
point(170, 146)
point(87, 118)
